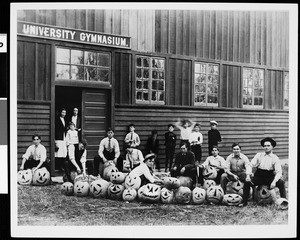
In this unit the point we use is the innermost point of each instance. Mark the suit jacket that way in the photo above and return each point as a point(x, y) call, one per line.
point(60, 129)
point(78, 122)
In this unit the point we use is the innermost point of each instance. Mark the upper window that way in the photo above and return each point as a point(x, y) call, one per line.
point(150, 80)
point(286, 90)
point(74, 64)
point(206, 84)
point(253, 87)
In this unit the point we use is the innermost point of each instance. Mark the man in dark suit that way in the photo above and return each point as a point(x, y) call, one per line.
point(60, 143)
point(77, 121)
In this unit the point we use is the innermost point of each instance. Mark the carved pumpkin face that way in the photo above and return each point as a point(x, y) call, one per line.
point(151, 193)
point(41, 177)
point(282, 204)
point(108, 171)
point(140, 193)
point(115, 191)
point(232, 199)
point(73, 175)
point(183, 195)
point(129, 194)
point(166, 195)
point(208, 183)
point(98, 188)
point(25, 177)
point(67, 188)
point(198, 195)
point(210, 172)
point(234, 186)
point(185, 181)
point(171, 182)
point(81, 188)
point(214, 194)
point(264, 195)
point(117, 177)
point(133, 181)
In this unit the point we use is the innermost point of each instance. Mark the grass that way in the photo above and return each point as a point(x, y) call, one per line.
point(46, 206)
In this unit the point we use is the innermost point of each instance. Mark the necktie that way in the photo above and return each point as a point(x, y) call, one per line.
point(35, 156)
point(109, 146)
point(131, 136)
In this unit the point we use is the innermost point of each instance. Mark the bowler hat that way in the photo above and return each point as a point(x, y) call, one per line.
point(268, 139)
point(149, 156)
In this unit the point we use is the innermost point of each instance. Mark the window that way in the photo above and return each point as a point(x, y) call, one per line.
point(150, 80)
point(74, 64)
point(286, 90)
point(253, 87)
point(206, 84)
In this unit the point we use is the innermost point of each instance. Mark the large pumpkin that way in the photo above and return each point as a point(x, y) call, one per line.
point(185, 181)
point(117, 177)
point(171, 182)
point(151, 193)
point(81, 188)
point(198, 195)
point(133, 181)
point(129, 194)
point(208, 183)
point(25, 177)
point(166, 195)
point(67, 188)
point(85, 178)
point(98, 188)
point(140, 196)
point(232, 199)
point(263, 195)
point(41, 177)
point(234, 186)
point(73, 175)
point(214, 194)
point(115, 191)
point(108, 171)
point(282, 203)
point(209, 172)
point(183, 195)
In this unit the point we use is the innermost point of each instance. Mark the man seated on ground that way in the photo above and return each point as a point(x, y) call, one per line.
point(145, 171)
point(237, 165)
point(109, 150)
point(268, 170)
point(35, 156)
point(133, 159)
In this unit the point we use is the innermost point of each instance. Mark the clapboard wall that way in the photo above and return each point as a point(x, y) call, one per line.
point(243, 126)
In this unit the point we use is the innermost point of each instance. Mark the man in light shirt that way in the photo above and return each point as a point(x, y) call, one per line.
point(268, 172)
point(35, 156)
point(133, 158)
point(186, 127)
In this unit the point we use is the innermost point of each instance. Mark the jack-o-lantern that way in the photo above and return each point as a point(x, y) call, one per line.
point(129, 194)
point(117, 177)
point(210, 172)
point(67, 188)
point(171, 182)
point(264, 195)
point(198, 195)
point(41, 177)
point(98, 188)
point(133, 181)
point(108, 171)
point(234, 186)
point(140, 196)
point(166, 195)
point(208, 183)
point(81, 188)
point(185, 181)
point(214, 194)
point(25, 177)
point(183, 195)
point(115, 191)
point(232, 199)
point(73, 175)
point(282, 204)
point(151, 193)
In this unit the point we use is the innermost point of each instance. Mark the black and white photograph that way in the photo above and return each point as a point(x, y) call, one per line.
point(153, 120)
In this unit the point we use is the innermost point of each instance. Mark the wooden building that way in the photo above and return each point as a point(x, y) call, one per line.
point(151, 68)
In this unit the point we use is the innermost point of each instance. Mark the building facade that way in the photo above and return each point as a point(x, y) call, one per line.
point(151, 68)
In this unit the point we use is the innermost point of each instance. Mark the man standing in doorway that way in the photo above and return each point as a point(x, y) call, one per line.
point(76, 120)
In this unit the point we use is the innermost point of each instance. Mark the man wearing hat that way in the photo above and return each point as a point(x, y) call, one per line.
point(214, 136)
point(145, 170)
point(269, 171)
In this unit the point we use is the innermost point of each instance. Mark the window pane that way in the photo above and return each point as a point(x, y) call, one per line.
point(146, 73)
point(154, 75)
point(90, 58)
point(103, 75)
point(197, 78)
point(77, 73)
point(139, 84)
point(153, 98)
point(197, 89)
point(145, 85)
point(157, 63)
point(139, 73)
point(249, 82)
point(138, 62)
point(202, 88)
point(212, 99)
point(202, 78)
point(62, 71)
point(161, 96)
point(161, 85)
point(146, 96)
point(197, 67)
point(245, 100)
point(103, 60)
point(203, 68)
point(154, 85)
point(91, 74)
point(161, 75)
point(76, 57)
point(139, 95)
point(63, 55)
point(146, 62)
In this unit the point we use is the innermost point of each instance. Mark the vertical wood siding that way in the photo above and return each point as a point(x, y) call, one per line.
point(245, 127)
point(33, 118)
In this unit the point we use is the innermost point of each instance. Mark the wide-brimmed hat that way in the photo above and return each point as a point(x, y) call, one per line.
point(268, 139)
point(149, 156)
point(213, 122)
